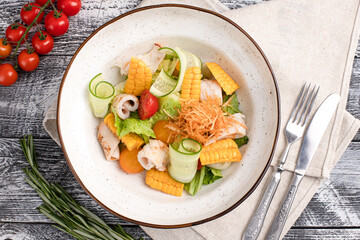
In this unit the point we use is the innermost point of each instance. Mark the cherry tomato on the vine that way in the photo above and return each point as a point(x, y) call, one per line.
point(29, 12)
point(69, 7)
point(5, 48)
point(8, 75)
point(42, 42)
point(28, 61)
point(56, 23)
point(14, 32)
point(42, 2)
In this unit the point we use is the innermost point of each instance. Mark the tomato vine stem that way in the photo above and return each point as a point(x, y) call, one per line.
point(28, 29)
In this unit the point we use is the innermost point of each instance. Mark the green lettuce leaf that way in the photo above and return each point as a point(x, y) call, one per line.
point(141, 127)
point(170, 104)
point(211, 175)
point(233, 106)
point(242, 141)
point(137, 126)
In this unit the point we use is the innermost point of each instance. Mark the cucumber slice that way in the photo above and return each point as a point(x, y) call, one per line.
point(184, 161)
point(186, 59)
point(100, 95)
point(192, 60)
point(163, 85)
point(219, 166)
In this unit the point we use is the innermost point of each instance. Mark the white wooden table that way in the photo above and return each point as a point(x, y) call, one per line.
point(333, 213)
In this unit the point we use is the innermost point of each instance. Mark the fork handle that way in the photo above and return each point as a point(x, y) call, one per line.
point(253, 229)
point(279, 222)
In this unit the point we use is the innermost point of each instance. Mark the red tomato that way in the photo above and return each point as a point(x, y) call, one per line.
point(42, 2)
point(5, 48)
point(56, 24)
point(14, 32)
point(69, 7)
point(199, 166)
point(42, 42)
point(29, 12)
point(8, 75)
point(149, 104)
point(28, 61)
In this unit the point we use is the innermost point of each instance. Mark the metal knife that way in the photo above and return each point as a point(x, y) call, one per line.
point(310, 142)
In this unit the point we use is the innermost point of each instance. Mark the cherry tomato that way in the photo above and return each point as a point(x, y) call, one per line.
point(8, 75)
point(28, 61)
point(42, 2)
point(14, 32)
point(5, 48)
point(69, 7)
point(56, 23)
point(42, 42)
point(29, 12)
point(149, 104)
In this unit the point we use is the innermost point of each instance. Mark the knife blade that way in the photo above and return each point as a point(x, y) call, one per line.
point(310, 143)
point(315, 132)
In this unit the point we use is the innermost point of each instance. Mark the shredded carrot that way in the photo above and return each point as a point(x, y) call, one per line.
point(200, 120)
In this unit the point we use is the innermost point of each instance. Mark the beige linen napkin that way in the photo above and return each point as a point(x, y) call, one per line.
point(305, 41)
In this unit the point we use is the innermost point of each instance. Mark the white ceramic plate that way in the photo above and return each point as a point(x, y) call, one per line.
point(213, 38)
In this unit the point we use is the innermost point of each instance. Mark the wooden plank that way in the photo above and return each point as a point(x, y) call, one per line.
point(336, 204)
point(25, 231)
point(323, 234)
point(23, 105)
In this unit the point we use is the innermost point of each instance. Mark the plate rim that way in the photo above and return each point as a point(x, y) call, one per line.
point(252, 189)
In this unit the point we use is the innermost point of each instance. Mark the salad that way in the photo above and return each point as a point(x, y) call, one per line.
point(171, 115)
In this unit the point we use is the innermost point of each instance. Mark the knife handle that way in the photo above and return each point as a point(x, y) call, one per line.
point(279, 222)
point(253, 229)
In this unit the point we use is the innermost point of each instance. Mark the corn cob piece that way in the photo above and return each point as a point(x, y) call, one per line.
point(139, 77)
point(190, 88)
point(132, 141)
point(109, 120)
point(163, 182)
point(224, 150)
point(225, 81)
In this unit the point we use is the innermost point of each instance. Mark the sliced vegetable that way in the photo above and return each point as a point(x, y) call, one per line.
point(195, 185)
point(139, 78)
point(186, 60)
point(184, 160)
point(128, 161)
point(162, 133)
point(149, 104)
point(220, 166)
point(163, 85)
point(100, 94)
point(162, 181)
point(109, 120)
point(204, 176)
point(191, 85)
point(132, 141)
point(225, 150)
point(225, 81)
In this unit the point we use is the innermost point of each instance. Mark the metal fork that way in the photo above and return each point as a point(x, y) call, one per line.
point(294, 130)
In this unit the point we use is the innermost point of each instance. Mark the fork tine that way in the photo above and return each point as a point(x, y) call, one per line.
point(297, 102)
point(307, 104)
point(300, 109)
point(311, 105)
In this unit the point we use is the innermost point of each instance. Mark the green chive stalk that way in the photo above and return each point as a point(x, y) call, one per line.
point(61, 208)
